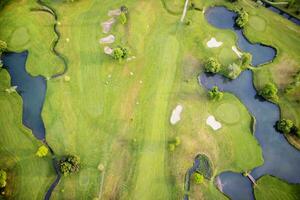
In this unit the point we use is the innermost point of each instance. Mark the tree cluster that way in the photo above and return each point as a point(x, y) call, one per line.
point(242, 18)
point(215, 94)
point(287, 126)
point(174, 143)
point(199, 178)
point(120, 53)
point(69, 164)
point(3, 177)
point(212, 65)
point(269, 92)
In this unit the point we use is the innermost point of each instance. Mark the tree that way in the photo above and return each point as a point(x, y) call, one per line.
point(123, 18)
point(242, 18)
point(198, 178)
point(120, 53)
point(3, 177)
point(246, 60)
point(212, 65)
point(3, 46)
point(42, 151)
point(69, 164)
point(269, 92)
point(215, 94)
point(291, 3)
point(286, 126)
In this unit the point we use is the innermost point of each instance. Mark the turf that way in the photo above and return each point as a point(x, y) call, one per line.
point(117, 113)
point(269, 187)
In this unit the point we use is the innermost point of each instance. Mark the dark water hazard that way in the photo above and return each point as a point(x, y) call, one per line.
point(280, 158)
point(223, 18)
point(281, 12)
point(32, 90)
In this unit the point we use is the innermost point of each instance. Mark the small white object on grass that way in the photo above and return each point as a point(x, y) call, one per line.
point(141, 81)
point(58, 23)
point(213, 43)
point(238, 53)
point(175, 117)
point(67, 78)
point(137, 103)
point(109, 76)
point(213, 123)
point(68, 39)
point(101, 167)
point(131, 73)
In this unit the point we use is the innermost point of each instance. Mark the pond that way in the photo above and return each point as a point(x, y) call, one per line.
point(280, 158)
point(31, 89)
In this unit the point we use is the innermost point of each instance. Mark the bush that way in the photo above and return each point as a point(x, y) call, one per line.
point(3, 177)
point(123, 18)
point(246, 60)
point(174, 143)
point(42, 151)
point(233, 71)
point(215, 94)
point(287, 126)
point(120, 53)
point(269, 92)
point(69, 164)
point(199, 178)
point(242, 18)
point(212, 65)
point(3, 46)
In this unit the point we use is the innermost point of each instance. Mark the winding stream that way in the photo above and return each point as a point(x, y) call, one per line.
point(280, 158)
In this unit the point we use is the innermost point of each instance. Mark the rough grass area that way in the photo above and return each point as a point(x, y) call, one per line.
point(117, 113)
point(269, 187)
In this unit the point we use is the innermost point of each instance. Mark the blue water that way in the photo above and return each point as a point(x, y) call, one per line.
point(223, 18)
point(280, 158)
point(31, 89)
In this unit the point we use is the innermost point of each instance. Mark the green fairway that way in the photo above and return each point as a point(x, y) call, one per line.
point(116, 114)
point(269, 187)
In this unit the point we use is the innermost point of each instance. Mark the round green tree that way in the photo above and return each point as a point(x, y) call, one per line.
point(69, 164)
point(285, 126)
point(120, 53)
point(199, 178)
point(212, 65)
point(246, 60)
point(42, 151)
point(269, 92)
point(3, 46)
point(3, 177)
point(215, 94)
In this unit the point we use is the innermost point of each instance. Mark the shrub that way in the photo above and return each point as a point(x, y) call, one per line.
point(212, 65)
point(120, 53)
point(69, 164)
point(233, 70)
point(199, 178)
point(42, 151)
point(246, 60)
point(215, 94)
point(171, 147)
point(242, 18)
point(3, 177)
point(269, 92)
point(123, 18)
point(286, 126)
point(3, 46)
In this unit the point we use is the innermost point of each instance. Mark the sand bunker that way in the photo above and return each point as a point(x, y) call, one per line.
point(238, 53)
point(213, 43)
point(108, 50)
point(115, 12)
point(107, 40)
point(175, 117)
point(213, 123)
point(106, 26)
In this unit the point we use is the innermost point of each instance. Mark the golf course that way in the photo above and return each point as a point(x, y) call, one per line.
point(149, 100)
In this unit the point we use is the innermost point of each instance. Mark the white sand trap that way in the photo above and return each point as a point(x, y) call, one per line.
point(213, 43)
point(107, 40)
point(106, 26)
point(108, 50)
point(175, 117)
point(115, 12)
point(238, 53)
point(213, 123)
